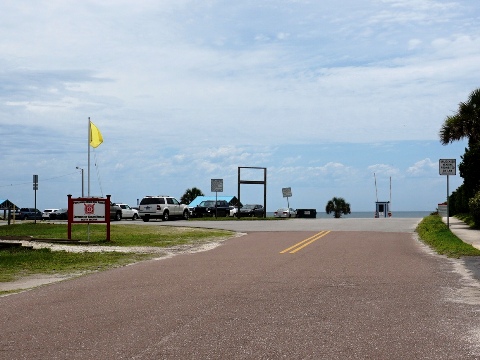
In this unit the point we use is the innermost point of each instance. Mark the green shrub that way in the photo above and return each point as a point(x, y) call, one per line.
point(474, 207)
point(458, 201)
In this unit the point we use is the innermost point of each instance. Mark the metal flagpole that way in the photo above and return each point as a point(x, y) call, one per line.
point(88, 192)
point(88, 145)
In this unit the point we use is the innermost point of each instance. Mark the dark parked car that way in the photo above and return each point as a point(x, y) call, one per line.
point(252, 210)
point(27, 214)
point(207, 208)
point(60, 214)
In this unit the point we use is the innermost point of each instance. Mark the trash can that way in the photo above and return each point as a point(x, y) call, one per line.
point(306, 213)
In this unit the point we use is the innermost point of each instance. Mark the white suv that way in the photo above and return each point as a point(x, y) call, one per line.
point(162, 207)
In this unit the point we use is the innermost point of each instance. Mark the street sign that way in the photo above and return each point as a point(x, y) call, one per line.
point(89, 210)
point(447, 166)
point(287, 192)
point(217, 185)
point(35, 188)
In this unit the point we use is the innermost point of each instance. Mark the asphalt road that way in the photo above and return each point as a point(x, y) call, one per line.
point(345, 224)
point(274, 294)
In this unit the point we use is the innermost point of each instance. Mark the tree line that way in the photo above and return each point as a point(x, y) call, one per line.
point(465, 124)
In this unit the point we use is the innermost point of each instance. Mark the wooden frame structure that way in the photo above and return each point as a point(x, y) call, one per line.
point(255, 182)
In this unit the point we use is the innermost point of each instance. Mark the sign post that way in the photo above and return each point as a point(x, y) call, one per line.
point(35, 188)
point(217, 186)
point(88, 210)
point(447, 167)
point(287, 192)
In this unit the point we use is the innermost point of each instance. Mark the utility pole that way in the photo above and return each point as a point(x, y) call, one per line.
point(79, 168)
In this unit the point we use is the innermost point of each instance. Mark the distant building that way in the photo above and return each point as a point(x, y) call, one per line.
point(382, 209)
point(442, 209)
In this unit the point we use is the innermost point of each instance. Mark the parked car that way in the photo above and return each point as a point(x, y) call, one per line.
point(211, 208)
point(46, 213)
point(27, 214)
point(60, 214)
point(285, 213)
point(115, 212)
point(233, 210)
point(128, 212)
point(252, 210)
point(162, 207)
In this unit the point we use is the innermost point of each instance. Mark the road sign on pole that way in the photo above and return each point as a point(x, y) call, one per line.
point(447, 167)
point(217, 185)
point(35, 188)
point(287, 192)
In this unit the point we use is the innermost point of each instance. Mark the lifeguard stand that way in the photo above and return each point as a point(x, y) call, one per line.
point(382, 209)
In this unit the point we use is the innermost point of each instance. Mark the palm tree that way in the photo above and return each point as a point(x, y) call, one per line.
point(465, 123)
point(338, 206)
point(190, 195)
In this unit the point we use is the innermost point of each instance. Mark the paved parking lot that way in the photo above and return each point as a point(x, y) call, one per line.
point(343, 224)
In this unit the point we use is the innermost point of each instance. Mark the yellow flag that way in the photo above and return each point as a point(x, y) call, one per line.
point(95, 136)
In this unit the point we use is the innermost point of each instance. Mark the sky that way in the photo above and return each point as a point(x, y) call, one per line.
point(333, 98)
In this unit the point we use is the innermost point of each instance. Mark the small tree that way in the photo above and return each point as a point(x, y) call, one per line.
point(458, 201)
point(190, 195)
point(474, 205)
point(469, 169)
point(337, 206)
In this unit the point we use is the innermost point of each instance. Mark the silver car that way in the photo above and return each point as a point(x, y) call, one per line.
point(46, 213)
point(285, 213)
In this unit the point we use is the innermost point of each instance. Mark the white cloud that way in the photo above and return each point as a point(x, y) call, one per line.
point(414, 44)
point(186, 90)
point(383, 170)
point(423, 167)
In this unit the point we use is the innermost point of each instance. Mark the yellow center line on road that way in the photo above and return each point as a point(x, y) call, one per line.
point(299, 246)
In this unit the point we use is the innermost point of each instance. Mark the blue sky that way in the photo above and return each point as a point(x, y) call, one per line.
point(322, 93)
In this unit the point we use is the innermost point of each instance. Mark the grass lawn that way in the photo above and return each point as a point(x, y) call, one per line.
point(435, 233)
point(19, 262)
point(120, 235)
